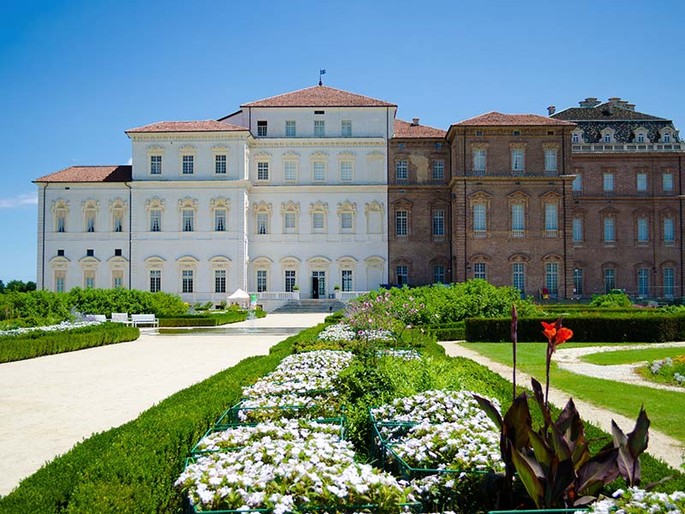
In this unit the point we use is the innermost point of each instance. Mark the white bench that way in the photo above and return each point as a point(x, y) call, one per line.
point(121, 317)
point(144, 319)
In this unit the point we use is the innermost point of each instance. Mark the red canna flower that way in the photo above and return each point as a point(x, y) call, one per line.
point(563, 335)
point(550, 330)
point(556, 334)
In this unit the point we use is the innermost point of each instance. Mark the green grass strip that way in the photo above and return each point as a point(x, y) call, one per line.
point(632, 356)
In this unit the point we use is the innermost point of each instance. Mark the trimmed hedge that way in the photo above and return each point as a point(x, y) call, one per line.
point(448, 331)
point(637, 327)
point(207, 320)
point(38, 343)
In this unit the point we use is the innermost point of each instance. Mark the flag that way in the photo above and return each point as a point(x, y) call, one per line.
point(322, 72)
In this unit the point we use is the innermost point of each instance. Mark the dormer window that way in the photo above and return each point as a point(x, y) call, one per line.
point(608, 135)
point(667, 135)
point(261, 128)
point(641, 135)
point(575, 138)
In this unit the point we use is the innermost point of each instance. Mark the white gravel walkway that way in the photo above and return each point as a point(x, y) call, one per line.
point(661, 446)
point(50, 403)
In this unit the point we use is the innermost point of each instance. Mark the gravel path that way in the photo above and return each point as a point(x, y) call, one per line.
point(50, 403)
point(661, 446)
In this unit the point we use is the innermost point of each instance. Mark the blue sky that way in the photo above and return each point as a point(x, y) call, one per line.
point(75, 74)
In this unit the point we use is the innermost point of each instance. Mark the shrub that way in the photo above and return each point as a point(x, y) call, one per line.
point(615, 298)
point(106, 301)
point(207, 320)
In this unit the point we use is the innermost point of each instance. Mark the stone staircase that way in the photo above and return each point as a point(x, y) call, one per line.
point(293, 306)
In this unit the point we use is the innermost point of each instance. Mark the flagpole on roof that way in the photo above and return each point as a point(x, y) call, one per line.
point(321, 73)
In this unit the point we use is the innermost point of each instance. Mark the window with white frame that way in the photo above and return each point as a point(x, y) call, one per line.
point(261, 280)
point(290, 171)
point(89, 279)
point(155, 220)
point(220, 164)
point(220, 219)
point(577, 230)
point(401, 223)
point(609, 279)
point(155, 165)
point(669, 231)
point(643, 281)
point(577, 184)
point(290, 128)
point(666, 138)
point(551, 220)
point(518, 220)
point(608, 183)
point(60, 220)
point(188, 220)
point(290, 222)
point(480, 270)
point(667, 182)
point(480, 221)
point(219, 280)
point(551, 161)
point(319, 171)
point(552, 277)
point(187, 280)
point(609, 230)
point(517, 161)
point(518, 275)
point(318, 221)
point(402, 170)
point(319, 128)
point(117, 278)
point(669, 282)
point(346, 221)
point(438, 169)
point(188, 164)
point(262, 128)
point(117, 220)
point(402, 275)
point(346, 279)
point(263, 170)
point(641, 183)
point(262, 223)
point(155, 280)
point(60, 280)
point(90, 213)
point(439, 274)
point(642, 230)
point(578, 281)
point(438, 222)
point(290, 280)
point(479, 161)
point(346, 128)
point(607, 135)
point(345, 171)
point(575, 138)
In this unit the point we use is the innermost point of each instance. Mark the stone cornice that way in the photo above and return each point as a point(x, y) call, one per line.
point(188, 136)
point(347, 142)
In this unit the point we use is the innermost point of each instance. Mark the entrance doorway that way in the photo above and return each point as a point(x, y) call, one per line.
point(318, 284)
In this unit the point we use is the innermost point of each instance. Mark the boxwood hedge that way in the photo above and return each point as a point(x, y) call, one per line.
point(207, 320)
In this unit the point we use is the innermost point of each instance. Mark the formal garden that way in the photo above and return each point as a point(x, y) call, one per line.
point(366, 413)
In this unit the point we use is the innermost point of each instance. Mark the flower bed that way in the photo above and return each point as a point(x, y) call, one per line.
point(636, 501)
point(287, 406)
point(672, 370)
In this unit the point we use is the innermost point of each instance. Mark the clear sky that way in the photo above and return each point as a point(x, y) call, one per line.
point(74, 74)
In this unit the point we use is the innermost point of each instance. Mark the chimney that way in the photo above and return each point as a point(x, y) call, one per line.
point(414, 121)
point(630, 107)
point(551, 110)
point(589, 102)
point(615, 100)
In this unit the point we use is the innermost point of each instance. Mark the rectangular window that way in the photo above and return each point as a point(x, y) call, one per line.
point(220, 220)
point(608, 183)
point(188, 220)
point(155, 165)
point(346, 276)
point(345, 171)
point(290, 171)
point(480, 222)
point(289, 280)
point(641, 183)
point(667, 182)
point(262, 223)
point(118, 223)
point(290, 128)
point(219, 280)
point(551, 220)
point(518, 276)
point(319, 172)
point(439, 274)
point(117, 278)
point(479, 270)
point(642, 230)
point(188, 167)
point(438, 169)
point(609, 230)
point(517, 161)
point(89, 279)
point(90, 252)
point(346, 128)
point(550, 161)
point(479, 161)
point(609, 279)
point(117, 252)
point(401, 218)
point(155, 280)
point(578, 281)
point(577, 230)
point(261, 280)
point(60, 278)
point(90, 222)
point(518, 220)
point(61, 222)
point(319, 128)
point(669, 231)
point(643, 282)
point(263, 170)
point(262, 128)
point(187, 281)
point(439, 223)
point(155, 220)
point(318, 221)
point(402, 170)
point(346, 221)
point(220, 164)
point(552, 277)
point(577, 184)
point(669, 282)
point(402, 274)
point(289, 222)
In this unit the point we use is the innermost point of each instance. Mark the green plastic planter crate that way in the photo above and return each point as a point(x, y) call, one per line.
point(231, 416)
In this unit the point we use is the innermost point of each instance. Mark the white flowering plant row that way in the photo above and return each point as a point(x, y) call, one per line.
point(672, 369)
point(61, 327)
point(638, 501)
point(289, 406)
point(290, 476)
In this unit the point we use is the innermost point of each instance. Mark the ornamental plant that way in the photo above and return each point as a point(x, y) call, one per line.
point(637, 501)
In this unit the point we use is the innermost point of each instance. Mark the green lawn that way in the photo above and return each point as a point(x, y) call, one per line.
point(664, 408)
point(630, 356)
